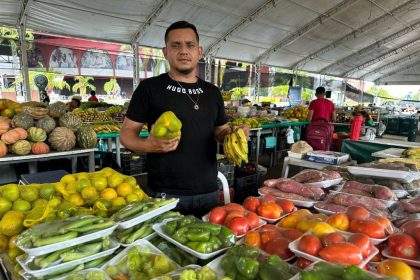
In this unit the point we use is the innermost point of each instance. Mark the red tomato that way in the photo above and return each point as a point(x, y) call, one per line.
point(270, 235)
point(239, 225)
point(269, 210)
point(217, 215)
point(357, 213)
point(251, 204)
point(410, 226)
point(402, 245)
point(302, 263)
point(291, 234)
point(232, 214)
point(310, 244)
point(286, 205)
point(368, 227)
point(279, 247)
point(384, 223)
point(253, 219)
point(342, 253)
point(234, 207)
point(252, 238)
point(268, 198)
point(363, 242)
point(332, 238)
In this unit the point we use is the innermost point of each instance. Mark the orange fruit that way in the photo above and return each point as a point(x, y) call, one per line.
point(115, 179)
point(76, 199)
point(124, 189)
point(118, 203)
point(396, 268)
point(67, 179)
point(109, 194)
point(99, 182)
point(89, 193)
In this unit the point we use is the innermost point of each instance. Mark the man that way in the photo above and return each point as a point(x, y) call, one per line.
point(321, 108)
point(74, 102)
point(92, 97)
point(184, 167)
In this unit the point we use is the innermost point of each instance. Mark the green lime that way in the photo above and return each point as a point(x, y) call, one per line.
point(5, 205)
point(47, 191)
point(29, 193)
point(102, 204)
point(132, 198)
point(131, 181)
point(21, 205)
point(82, 183)
point(10, 192)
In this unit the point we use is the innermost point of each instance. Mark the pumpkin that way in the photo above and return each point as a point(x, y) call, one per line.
point(22, 133)
point(3, 149)
point(4, 125)
point(86, 138)
point(40, 148)
point(36, 112)
point(46, 123)
point(57, 109)
point(71, 121)
point(23, 120)
point(62, 139)
point(21, 147)
point(10, 137)
point(36, 134)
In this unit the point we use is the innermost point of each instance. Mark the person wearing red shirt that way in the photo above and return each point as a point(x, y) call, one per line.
point(321, 107)
point(92, 97)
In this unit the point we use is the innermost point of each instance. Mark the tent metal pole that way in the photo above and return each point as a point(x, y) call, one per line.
point(207, 67)
point(136, 66)
point(24, 63)
point(257, 82)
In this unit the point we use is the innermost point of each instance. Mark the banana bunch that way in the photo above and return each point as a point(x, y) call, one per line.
point(413, 153)
point(104, 128)
point(235, 147)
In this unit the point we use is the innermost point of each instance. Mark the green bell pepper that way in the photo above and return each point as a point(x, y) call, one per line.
point(214, 229)
point(170, 227)
point(198, 234)
point(181, 235)
point(247, 267)
point(356, 273)
point(227, 237)
point(228, 265)
point(201, 247)
point(274, 268)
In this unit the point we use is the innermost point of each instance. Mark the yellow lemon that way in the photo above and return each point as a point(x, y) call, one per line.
point(76, 199)
point(5, 205)
point(140, 193)
point(89, 193)
point(118, 203)
point(132, 198)
point(47, 191)
point(82, 175)
point(67, 179)
point(99, 182)
point(107, 171)
point(131, 181)
point(114, 180)
point(109, 194)
point(82, 183)
point(71, 188)
point(124, 189)
point(21, 205)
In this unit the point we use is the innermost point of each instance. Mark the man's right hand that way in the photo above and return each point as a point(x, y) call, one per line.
point(159, 145)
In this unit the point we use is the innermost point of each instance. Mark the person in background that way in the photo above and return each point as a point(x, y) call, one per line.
point(367, 119)
point(75, 102)
point(321, 107)
point(184, 167)
point(92, 97)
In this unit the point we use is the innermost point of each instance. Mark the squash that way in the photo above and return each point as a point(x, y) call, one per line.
point(3, 149)
point(23, 120)
point(62, 139)
point(36, 112)
point(4, 125)
point(22, 133)
point(71, 121)
point(46, 123)
point(10, 137)
point(57, 109)
point(36, 134)
point(21, 147)
point(12, 223)
point(86, 138)
point(40, 148)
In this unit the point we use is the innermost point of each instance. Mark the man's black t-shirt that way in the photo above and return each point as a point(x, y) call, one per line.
point(192, 167)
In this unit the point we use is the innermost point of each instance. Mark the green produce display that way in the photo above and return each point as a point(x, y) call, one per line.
point(246, 262)
point(167, 126)
point(70, 254)
point(87, 275)
point(142, 230)
point(202, 237)
point(202, 273)
point(134, 210)
point(139, 262)
point(327, 271)
point(60, 231)
point(176, 254)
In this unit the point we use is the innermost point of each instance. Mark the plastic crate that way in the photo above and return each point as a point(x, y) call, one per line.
point(227, 169)
point(392, 126)
point(246, 184)
point(408, 127)
point(133, 163)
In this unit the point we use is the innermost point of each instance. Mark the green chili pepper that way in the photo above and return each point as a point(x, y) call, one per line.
point(170, 227)
point(247, 267)
point(198, 234)
point(55, 239)
point(181, 235)
point(214, 229)
point(94, 227)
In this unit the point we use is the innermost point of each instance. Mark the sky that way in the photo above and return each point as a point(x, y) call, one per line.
point(400, 91)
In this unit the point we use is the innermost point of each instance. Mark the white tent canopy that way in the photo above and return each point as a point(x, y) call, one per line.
point(373, 40)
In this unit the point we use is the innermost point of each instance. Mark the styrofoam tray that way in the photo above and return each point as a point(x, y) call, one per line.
point(84, 272)
point(295, 155)
point(375, 241)
point(387, 203)
point(386, 254)
point(404, 176)
point(323, 211)
point(301, 203)
point(273, 221)
point(159, 230)
point(401, 193)
point(147, 216)
point(325, 184)
point(25, 275)
point(149, 237)
point(176, 273)
point(23, 261)
point(68, 243)
point(260, 224)
point(388, 153)
point(293, 246)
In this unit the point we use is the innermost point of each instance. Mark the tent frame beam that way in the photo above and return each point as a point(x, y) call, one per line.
point(355, 33)
point(305, 29)
point(413, 65)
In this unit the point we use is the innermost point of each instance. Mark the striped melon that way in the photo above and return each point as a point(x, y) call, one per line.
point(86, 138)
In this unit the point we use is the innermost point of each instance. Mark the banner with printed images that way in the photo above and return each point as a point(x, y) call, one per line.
point(64, 61)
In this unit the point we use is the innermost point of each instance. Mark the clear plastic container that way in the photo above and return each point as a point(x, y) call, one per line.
point(402, 176)
point(388, 255)
point(85, 273)
point(300, 203)
point(260, 224)
point(326, 184)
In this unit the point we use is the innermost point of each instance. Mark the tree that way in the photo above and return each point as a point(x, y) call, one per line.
point(416, 96)
point(381, 92)
point(82, 84)
point(111, 87)
point(55, 79)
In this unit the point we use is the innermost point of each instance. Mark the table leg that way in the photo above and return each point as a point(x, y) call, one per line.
point(33, 168)
point(117, 150)
point(257, 154)
point(92, 161)
point(109, 144)
point(74, 165)
point(285, 169)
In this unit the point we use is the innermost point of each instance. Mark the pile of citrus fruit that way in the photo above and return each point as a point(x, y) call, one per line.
point(297, 112)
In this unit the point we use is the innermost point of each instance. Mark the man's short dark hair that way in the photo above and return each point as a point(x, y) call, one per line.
point(92, 92)
point(77, 101)
point(320, 90)
point(181, 25)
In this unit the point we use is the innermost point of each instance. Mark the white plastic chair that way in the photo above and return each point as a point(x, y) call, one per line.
point(226, 193)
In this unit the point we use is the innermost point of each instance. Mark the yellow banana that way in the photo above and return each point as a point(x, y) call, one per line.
point(240, 134)
point(236, 146)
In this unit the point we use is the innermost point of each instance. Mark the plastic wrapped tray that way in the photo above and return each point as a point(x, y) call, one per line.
point(273, 221)
point(159, 230)
point(403, 176)
point(300, 203)
point(260, 224)
point(25, 260)
point(84, 273)
point(144, 217)
point(387, 255)
point(323, 211)
point(37, 251)
point(293, 246)
point(387, 203)
point(326, 184)
point(176, 273)
point(149, 237)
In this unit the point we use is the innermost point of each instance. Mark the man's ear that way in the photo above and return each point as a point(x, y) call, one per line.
point(200, 52)
point(164, 50)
